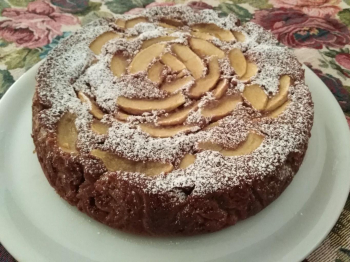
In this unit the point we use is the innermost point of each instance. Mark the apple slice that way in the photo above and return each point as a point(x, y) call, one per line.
point(204, 48)
point(278, 111)
point(118, 65)
point(252, 142)
point(193, 63)
point(214, 124)
point(132, 22)
point(219, 109)
point(114, 163)
point(172, 21)
point(175, 64)
point(155, 72)
point(177, 84)
point(251, 71)
point(178, 117)
point(210, 146)
point(163, 132)
point(187, 160)
point(121, 116)
point(202, 35)
point(238, 61)
point(239, 36)
point(94, 109)
point(120, 22)
point(256, 96)
point(220, 89)
point(213, 29)
point(208, 82)
point(98, 127)
point(143, 58)
point(97, 44)
point(156, 40)
point(67, 133)
point(282, 95)
point(140, 106)
point(165, 25)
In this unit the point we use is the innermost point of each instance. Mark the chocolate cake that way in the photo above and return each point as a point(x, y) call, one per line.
point(171, 122)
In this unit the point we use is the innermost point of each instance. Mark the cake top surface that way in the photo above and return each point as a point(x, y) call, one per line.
point(175, 98)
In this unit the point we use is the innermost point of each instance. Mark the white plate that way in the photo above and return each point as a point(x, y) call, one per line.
point(36, 225)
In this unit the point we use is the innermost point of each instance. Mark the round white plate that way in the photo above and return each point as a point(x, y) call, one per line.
point(37, 225)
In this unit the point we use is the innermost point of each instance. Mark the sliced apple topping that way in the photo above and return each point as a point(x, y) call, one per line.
point(120, 22)
point(282, 95)
point(220, 89)
point(94, 109)
point(156, 40)
point(204, 48)
point(256, 96)
point(210, 146)
point(208, 82)
point(202, 35)
point(222, 34)
point(143, 58)
point(132, 22)
point(98, 127)
point(175, 64)
point(177, 84)
point(155, 72)
point(251, 71)
point(252, 142)
point(218, 109)
point(239, 36)
point(187, 160)
point(114, 163)
point(238, 61)
point(67, 133)
point(121, 116)
point(97, 44)
point(214, 124)
point(163, 132)
point(165, 25)
point(178, 117)
point(118, 65)
point(182, 73)
point(140, 106)
point(193, 63)
point(278, 111)
point(172, 21)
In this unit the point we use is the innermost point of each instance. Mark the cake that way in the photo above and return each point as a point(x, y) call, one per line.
point(172, 121)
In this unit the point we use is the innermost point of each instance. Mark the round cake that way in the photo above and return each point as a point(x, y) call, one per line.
point(172, 121)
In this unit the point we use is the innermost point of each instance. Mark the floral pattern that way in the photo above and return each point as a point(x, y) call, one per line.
point(35, 26)
point(297, 29)
point(318, 31)
point(318, 8)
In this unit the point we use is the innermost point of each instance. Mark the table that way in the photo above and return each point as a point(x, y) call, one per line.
point(316, 30)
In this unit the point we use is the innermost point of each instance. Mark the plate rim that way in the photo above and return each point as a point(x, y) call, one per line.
point(14, 251)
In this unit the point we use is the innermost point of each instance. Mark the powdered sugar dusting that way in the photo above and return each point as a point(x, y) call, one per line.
point(72, 67)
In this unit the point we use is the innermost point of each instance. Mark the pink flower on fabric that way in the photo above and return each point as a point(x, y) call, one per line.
point(348, 120)
point(343, 59)
point(318, 8)
point(296, 29)
point(199, 5)
point(34, 26)
point(139, 10)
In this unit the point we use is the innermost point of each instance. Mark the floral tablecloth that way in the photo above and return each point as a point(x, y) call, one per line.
point(317, 31)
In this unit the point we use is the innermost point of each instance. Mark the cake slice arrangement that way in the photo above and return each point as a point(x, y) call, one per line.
point(172, 121)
